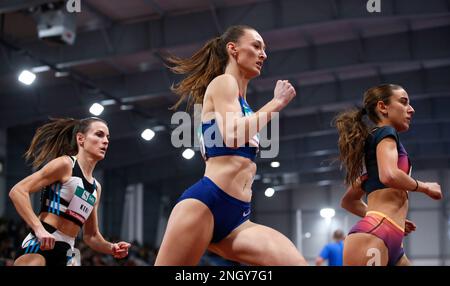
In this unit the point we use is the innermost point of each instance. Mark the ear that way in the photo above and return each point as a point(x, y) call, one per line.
point(382, 108)
point(231, 48)
point(80, 139)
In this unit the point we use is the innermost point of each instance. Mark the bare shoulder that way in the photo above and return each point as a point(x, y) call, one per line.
point(225, 85)
point(59, 169)
point(63, 163)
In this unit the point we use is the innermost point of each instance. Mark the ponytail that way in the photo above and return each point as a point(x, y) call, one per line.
point(353, 133)
point(52, 140)
point(206, 64)
point(201, 68)
point(56, 138)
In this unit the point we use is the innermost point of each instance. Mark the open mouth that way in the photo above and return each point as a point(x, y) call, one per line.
point(259, 64)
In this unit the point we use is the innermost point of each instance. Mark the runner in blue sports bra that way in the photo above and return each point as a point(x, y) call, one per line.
point(67, 150)
point(214, 213)
point(377, 239)
point(212, 145)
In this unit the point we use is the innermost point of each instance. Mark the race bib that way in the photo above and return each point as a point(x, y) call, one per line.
point(81, 204)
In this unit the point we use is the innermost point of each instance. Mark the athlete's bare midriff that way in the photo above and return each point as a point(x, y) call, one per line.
point(392, 202)
point(233, 174)
point(63, 225)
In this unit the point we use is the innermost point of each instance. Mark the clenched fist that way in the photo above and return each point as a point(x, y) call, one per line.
point(284, 92)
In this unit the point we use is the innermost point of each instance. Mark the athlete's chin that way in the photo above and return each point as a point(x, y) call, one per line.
point(254, 74)
point(99, 157)
point(403, 127)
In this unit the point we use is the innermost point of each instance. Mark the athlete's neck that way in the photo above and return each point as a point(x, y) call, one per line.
point(87, 165)
point(240, 78)
point(384, 122)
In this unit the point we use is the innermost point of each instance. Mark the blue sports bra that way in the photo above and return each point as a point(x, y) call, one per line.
point(371, 180)
point(212, 144)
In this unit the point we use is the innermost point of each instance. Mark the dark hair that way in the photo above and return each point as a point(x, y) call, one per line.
point(206, 64)
point(338, 234)
point(353, 131)
point(57, 138)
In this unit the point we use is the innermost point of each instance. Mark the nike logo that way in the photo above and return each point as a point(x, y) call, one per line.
point(246, 213)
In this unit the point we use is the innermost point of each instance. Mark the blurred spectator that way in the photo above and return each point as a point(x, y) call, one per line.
point(333, 252)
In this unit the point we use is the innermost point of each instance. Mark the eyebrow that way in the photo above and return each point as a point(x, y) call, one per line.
point(103, 133)
point(261, 43)
point(404, 97)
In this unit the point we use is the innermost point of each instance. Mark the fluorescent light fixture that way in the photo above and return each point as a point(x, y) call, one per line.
point(125, 107)
point(188, 154)
point(107, 102)
point(39, 69)
point(96, 109)
point(159, 128)
point(61, 73)
point(327, 213)
point(148, 134)
point(324, 183)
point(269, 192)
point(27, 77)
point(275, 164)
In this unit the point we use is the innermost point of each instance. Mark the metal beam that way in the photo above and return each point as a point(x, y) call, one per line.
point(292, 69)
point(137, 42)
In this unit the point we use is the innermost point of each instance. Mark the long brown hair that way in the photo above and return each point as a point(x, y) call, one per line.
point(353, 131)
point(57, 138)
point(206, 64)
